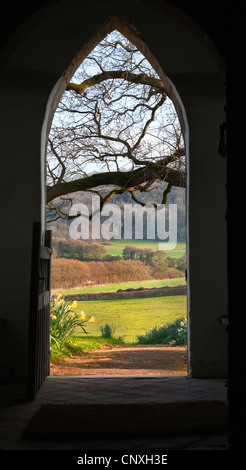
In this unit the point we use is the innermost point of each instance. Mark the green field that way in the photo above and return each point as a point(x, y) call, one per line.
point(116, 247)
point(124, 285)
point(132, 316)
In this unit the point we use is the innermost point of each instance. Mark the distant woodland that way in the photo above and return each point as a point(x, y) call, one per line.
point(77, 263)
point(60, 226)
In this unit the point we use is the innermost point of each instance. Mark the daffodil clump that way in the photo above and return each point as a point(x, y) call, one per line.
point(172, 334)
point(64, 320)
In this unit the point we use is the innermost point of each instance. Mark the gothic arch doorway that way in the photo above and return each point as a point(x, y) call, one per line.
point(129, 32)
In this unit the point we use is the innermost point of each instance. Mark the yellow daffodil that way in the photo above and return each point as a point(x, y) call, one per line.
point(92, 319)
point(82, 315)
point(58, 296)
point(74, 304)
point(53, 317)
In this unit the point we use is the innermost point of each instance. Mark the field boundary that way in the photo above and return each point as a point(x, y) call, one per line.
point(130, 293)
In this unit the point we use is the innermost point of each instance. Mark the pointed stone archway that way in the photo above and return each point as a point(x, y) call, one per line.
point(129, 32)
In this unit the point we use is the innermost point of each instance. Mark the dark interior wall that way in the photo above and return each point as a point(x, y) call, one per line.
point(32, 61)
point(212, 16)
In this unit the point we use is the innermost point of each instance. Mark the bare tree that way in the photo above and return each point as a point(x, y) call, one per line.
point(115, 129)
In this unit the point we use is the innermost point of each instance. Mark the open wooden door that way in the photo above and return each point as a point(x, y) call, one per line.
point(39, 321)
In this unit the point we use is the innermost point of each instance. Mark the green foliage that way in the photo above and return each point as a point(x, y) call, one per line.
point(158, 260)
point(64, 321)
point(78, 249)
point(107, 330)
point(174, 334)
point(181, 263)
point(141, 254)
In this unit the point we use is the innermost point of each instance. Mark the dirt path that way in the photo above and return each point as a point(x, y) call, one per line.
point(125, 360)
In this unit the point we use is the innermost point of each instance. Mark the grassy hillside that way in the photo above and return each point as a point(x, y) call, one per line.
point(116, 247)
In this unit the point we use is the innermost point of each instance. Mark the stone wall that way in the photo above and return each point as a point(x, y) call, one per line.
point(131, 293)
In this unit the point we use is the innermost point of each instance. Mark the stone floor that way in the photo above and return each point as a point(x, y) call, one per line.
point(113, 389)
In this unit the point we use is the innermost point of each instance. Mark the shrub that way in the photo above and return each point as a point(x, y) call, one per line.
point(64, 321)
point(174, 334)
point(181, 263)
point(78, 249)
point(107, 331)
point(70, 273)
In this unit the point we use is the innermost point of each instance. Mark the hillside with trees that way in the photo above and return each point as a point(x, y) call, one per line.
point(115, 134)
point(70, 273)
point(60, 225)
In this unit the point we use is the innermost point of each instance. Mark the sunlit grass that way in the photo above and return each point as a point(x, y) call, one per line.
point(133, 317)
